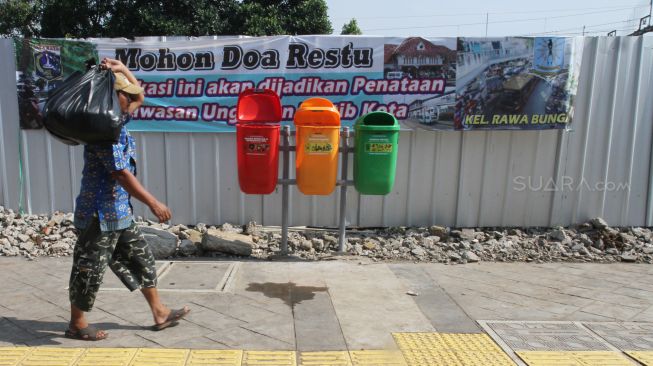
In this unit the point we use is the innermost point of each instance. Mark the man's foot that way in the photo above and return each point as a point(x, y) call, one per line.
point(170, 318)
point(88, 333)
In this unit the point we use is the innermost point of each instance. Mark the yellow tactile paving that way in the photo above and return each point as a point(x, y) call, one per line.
point(269, 358)
point(431, 358)
point(10, 356)
point(52, 357)
point(160, 357)
point(573, 358)
point(215, 357)
point(107, 357)
point(335, 358)
point(434, 349)
point(377, 358)
point(644, 357)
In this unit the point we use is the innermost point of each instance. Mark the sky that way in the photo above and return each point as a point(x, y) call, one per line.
point(468, 18)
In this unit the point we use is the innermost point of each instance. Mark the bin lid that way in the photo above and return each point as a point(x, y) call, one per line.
point(317, 112)
point(377, 121)
point(258, 106)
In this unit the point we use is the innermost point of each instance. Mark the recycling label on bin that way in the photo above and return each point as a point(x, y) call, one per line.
point(378, 145)
point(318, 144)
point(257, 145)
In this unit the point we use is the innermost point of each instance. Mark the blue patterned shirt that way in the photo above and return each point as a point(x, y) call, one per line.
point(100, 193)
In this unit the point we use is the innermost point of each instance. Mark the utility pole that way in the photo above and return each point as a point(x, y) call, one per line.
point(487, 18)
point(583, 30)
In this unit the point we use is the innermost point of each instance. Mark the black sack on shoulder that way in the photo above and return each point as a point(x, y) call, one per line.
point(84, 109)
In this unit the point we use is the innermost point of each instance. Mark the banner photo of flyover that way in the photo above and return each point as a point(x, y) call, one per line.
point(516, 83)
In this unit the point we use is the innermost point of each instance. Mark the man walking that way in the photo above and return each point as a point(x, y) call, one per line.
point(109, 237)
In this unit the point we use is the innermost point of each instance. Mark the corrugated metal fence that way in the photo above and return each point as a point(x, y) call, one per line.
point(501, 178)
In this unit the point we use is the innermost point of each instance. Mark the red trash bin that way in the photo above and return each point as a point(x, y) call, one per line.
point(257, 133)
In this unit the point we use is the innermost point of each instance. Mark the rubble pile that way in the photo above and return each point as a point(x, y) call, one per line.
point(594, 241)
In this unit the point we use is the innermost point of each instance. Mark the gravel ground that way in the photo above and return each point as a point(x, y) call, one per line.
point(595, 241)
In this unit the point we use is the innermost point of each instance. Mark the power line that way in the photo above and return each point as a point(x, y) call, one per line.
point(574, 28)
point(501, 21)
point(621, 7)
point(599, 32)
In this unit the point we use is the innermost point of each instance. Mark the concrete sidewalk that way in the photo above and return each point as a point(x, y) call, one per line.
point(343, 305)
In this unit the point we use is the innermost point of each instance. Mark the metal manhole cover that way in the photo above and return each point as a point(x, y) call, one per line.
point(112, 283)
point(193, 276)
point(546, 336)
point(186, 276)
point(625, 336)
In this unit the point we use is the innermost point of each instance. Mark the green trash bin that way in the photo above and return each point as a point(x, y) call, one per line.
point(375, 154)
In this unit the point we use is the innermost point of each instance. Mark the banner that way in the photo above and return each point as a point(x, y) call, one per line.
point(516, 83)
point(427, 83)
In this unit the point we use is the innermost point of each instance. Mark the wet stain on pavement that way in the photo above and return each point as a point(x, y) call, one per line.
point(289, 292)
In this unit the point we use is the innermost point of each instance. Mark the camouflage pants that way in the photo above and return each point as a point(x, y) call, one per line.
point(124, 251)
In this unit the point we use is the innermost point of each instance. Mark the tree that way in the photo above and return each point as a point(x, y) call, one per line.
point(75, 18)
point(274, 17)
point(135, 18)
point(306, 17)
point(260, 19)
point(20, 18)
point(351, 28)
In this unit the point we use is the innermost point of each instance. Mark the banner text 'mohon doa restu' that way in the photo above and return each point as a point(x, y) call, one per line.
point(427, 83)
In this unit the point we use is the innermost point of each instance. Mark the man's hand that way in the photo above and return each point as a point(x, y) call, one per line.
point(128, 181)
point(161, 211)
point(113, 65)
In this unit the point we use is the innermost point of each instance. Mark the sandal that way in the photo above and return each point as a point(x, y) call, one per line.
point(173, 319)
point(89, 333)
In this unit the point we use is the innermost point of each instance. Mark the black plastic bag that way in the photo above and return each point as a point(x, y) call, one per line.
point(84, 109)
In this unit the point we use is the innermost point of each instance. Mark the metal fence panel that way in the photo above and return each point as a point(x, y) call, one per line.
point(476, 178)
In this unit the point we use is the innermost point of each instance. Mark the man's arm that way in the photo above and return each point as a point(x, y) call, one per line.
point(128, 181)
point(118, 66)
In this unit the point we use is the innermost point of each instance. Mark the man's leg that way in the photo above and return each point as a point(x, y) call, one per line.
point(160, 312)
point(90, 258)
point(133, 262)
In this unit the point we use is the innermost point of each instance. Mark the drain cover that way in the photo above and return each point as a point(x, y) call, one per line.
point(625, 336)
point(580, 358)
point(546, 336)
point(193, 276)
point(111, 282)
point(185, 276)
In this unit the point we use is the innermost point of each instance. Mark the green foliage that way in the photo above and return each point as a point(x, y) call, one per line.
point(134, 18)
point(351, 28)
point(75, 18)
point(274, 17)
point(19, 17)
point(306, 17)
point(260, 19)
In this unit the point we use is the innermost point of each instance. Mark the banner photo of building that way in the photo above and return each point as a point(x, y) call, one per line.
point(516, 83)
point(193, 85)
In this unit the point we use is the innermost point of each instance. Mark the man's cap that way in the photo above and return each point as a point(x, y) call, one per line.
point(123, 84)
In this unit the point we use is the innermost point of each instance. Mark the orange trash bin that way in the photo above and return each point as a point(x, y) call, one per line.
point(317, 141)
